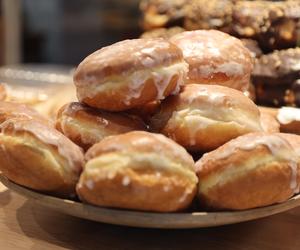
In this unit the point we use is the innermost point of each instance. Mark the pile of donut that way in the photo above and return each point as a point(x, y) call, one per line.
point(161, 125)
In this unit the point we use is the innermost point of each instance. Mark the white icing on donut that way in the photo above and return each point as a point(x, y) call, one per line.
point(135, 81)
point(229, 69)
point(211, 52)
point(275, 144)
point(287, 115)
point(67, 149)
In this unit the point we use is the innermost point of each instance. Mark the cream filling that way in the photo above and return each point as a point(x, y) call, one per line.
point(106, 166)
point(136, 80)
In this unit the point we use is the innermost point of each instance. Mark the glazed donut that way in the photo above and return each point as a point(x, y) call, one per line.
point(203, 117)
point(253, 170)
point(37, 156)
point(269, 123)
point(138, 170)
point(215, 57)
point(130, 73)
point(86, 126)
point(10, 110)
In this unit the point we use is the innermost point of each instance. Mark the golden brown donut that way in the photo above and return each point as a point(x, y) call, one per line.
point(269, 122)
point(215, 57)
point(294, 140)
point(86, 126)
point(130, 73)
point(253, 170)
point(10, 110)
point(138, 170)
point(203, 117)
point(37, 156)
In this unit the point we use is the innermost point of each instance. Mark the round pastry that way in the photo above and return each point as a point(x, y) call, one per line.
point(269, 122)
point(203, 117)
point(215, 57)
point(138, 170)
point(86, 126)
point(37, 156)
point(10, 110)
point(253, 170)
point(130, 73)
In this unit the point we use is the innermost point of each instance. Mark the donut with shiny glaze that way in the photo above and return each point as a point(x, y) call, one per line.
point(203, 117)
point(37, 156)
point(130, 73)
point(215, 57)
point(253, 170)
point(86, 126)
point(138, 170)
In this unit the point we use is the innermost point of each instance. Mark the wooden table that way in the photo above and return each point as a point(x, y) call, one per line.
point(25, 225)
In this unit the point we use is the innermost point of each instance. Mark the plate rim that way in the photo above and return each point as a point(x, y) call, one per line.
point(142, 219)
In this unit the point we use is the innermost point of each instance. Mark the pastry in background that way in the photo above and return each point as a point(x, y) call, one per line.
point(163, 13)
point(212, 14)
point(215, 57)
point(63, 94)
point(138, 170)
point(37, 156)
point(86, 126)
point(275, 77)
point(253, 170)
point(274, 25)
point(9, 110)
point(130, 74)
point(165, 33)
point(203, 117)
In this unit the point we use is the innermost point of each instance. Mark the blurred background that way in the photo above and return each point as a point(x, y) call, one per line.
point(62, 31)
point(41, 41)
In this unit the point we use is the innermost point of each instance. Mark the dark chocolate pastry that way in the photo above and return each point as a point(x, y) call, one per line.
point(212, 14)
point(276, 78)
point(163, 13)
point(275, 25)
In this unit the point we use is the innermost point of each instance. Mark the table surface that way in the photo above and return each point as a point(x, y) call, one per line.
point(26, 225)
